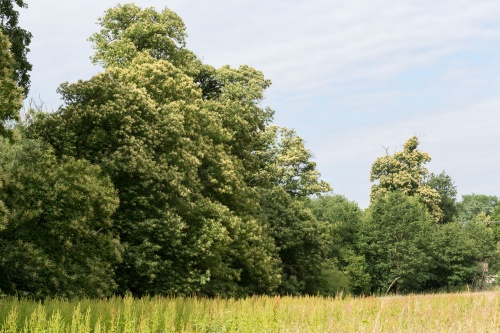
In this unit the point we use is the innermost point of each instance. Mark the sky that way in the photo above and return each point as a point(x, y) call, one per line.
point(354, 78)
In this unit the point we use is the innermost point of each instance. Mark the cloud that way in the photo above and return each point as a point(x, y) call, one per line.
point(350, 76)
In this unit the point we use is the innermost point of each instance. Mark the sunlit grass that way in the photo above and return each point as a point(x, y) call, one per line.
point(465, 312)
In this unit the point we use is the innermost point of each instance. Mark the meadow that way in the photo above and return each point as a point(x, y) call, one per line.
point(460, 312)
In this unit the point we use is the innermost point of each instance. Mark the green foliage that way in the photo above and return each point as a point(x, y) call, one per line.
point(343, 215)
point(474, 204)
point(455, 256)
point(404, 171)
point(344, 218)
point(127, 30)
point(291, 165)
point(495, 216)
point(19, 42)
point(447, 192)
point(301, 240)
point(182, 163)
point(151, 139)
point(395, 241)
point(163, 175)
point(11, 96)
point(55, 234)
point(332, 282)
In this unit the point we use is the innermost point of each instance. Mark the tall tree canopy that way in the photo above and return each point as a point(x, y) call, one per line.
point(163, 151)
point(19, 39)
point(189, 149)
point(404, 171)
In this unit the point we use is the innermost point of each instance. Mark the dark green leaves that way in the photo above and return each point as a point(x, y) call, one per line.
point(56, 236)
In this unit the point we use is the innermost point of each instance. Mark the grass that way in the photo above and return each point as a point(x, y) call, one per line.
point(461, 312)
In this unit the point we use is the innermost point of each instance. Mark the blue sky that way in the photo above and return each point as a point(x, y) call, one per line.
point(350, 77)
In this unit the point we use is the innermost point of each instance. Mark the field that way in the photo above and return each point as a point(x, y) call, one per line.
point(464, 312)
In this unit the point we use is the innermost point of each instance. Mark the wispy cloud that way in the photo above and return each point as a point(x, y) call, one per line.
point(350, 76)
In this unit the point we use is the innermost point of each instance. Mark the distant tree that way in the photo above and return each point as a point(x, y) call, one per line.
point(19, 41)
point(395, 241)
point(404, 171)
point(447, 192)
point(55, 224)
point(11, 96)
point(472, 205)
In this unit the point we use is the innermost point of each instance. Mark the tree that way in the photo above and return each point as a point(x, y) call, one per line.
point(344, 218)
point(404, 171)
point(288, 177)
point(474, 204)
point(454, 256)
point(19, 39)
point(194, 159)
point(396, 242)
point(55, 224)
point(302, 241)
point(11, 95)
point(447, 190)
point(189, 215)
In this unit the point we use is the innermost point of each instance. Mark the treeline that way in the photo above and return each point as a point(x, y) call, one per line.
point(165, 175)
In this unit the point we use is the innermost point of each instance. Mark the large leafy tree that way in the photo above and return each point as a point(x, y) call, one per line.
point(55, 224)
point(11, 95)
point(19, 39)
point(182, 163)
point(404, 172)
point(199, 171)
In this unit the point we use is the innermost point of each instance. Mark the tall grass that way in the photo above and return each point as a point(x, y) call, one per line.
point(466, 312)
